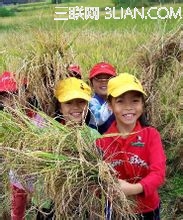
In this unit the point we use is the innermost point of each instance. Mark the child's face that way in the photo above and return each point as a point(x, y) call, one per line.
point(127, 108)
point(99, 84)
point(7, 100)
point(74, 110)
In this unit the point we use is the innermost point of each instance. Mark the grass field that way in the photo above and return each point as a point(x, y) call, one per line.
point(89, 41)
point(112, 40)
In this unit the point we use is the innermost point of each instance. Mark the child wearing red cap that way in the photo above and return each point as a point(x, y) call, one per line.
point(74, 71)
point(8, 98)
point(8, 87)
point(101, 115)
point(134, 149)
point(8, 90)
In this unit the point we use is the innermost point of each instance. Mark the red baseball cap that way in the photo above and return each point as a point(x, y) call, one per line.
point(100, 68)
point(75, 69)
point(8, 82)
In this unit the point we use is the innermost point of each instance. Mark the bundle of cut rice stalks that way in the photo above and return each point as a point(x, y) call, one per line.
point(160, 64)
point(64, 164)
point(43, 60)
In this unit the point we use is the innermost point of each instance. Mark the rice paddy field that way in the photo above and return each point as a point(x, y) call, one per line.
point(34, 45)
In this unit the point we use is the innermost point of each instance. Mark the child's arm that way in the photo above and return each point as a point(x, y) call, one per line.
point(157, 164)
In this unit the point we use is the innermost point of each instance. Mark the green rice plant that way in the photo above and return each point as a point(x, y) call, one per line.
point(64, 162)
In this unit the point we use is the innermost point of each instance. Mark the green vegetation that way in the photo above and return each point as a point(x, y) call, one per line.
point(6, 12)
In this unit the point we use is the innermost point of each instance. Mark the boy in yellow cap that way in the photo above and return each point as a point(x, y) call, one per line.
point(135, 150)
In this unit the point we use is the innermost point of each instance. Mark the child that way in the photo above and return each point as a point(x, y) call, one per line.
point(8, 92)
point(101, 115)
point(74, 71)
point(135, 150)
point(73, 96)
point(9, 89)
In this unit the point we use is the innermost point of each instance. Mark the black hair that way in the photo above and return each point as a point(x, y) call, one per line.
point(33, 102)
point(74, 74)
point(1, 106)
point(143, 119)
point(57, 115)
point(88, 116)
point(1, 103)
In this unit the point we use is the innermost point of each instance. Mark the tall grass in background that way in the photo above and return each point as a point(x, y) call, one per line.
point(118, 38)
point(151, 49)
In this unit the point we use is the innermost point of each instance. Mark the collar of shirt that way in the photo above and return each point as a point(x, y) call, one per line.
point(99, 98)
point(113, 132)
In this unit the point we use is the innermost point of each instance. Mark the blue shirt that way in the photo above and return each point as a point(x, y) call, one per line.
point(101, 116)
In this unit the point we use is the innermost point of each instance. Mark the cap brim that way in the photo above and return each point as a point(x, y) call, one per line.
point(8, 88)
point(73, 95)
point(103, 71)
point(119, 91)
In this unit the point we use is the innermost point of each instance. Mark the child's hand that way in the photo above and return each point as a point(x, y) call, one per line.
point(130, 189)
point(125, 187)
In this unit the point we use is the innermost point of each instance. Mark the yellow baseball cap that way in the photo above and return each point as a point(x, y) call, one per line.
point(72, 88)
point(122, 83)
